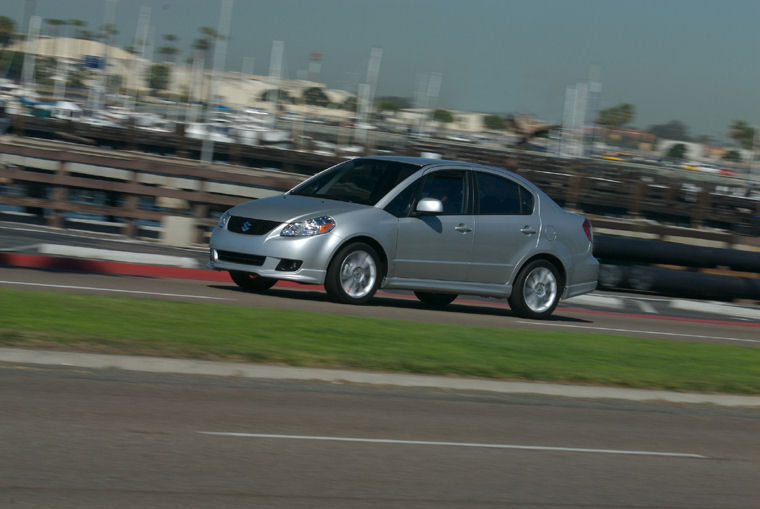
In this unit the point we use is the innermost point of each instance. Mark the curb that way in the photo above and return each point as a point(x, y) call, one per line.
point(263, 371)
point(109, 267)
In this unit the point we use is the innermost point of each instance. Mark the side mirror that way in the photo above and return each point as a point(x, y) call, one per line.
point(429, 206)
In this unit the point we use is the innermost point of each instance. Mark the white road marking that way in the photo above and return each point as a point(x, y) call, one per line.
point(633, 331)
point(645, 307)
point(112, 290)
point(455, 444)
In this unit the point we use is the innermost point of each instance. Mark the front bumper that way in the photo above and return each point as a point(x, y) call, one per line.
point(262, 255)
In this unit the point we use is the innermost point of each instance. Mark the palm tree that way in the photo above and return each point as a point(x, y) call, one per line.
point(205, 43)
point(616, 116)
point(54, 25)
point(169, 51)
point(107, 32)
point(80, 32)
point(743, 133)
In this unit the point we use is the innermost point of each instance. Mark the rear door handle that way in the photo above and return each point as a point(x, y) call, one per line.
point(463, 228)
point(528, 230)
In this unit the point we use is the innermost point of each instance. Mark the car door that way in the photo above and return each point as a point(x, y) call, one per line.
point(507, 226)
point(436, 246)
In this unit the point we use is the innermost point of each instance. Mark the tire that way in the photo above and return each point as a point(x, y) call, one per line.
point(536, 291)
point(354, 274)
point(251, 282)
point(436, 299)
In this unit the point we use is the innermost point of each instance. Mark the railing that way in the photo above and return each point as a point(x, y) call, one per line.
point(131, 187)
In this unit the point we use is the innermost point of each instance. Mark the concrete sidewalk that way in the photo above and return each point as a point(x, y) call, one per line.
point(263, 371)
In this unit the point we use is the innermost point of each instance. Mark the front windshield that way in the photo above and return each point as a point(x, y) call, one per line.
point(360, 180)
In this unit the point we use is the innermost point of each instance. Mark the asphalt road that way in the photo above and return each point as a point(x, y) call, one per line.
point(74, 438)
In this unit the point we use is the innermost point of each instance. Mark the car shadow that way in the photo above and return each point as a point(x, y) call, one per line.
point(403, 301)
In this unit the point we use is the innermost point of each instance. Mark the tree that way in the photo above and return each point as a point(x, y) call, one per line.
point(733, 156)
point(12, 63)
point(54, 25)
point(350, 104)
point(494, 122)
point(44, 69)
point(616, 116)
point(206, 41)
point(704, 139)
point(677, 151)
point(107, 32)
point(742, 133)
point(315, 96)
point(169, 51)
point(443, 116)
point(158, 77)
point(392, 104)
point(281, 96)
point(673, 130)
point(78, 77)
point(7, 30)
point(79, 25)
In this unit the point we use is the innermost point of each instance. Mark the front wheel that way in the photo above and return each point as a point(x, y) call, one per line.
point(251, 282)
point(354, 274)
point(436, 299)
point(536, 291)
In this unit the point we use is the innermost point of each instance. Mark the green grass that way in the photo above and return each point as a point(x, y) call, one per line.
point(213, 331)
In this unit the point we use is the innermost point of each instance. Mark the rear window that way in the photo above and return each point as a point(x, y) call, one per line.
point(362, 181)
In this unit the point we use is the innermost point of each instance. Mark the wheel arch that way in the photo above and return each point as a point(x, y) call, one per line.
point(554, 260)
point(377, 246)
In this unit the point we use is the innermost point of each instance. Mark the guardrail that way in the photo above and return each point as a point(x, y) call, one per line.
point(127, 188)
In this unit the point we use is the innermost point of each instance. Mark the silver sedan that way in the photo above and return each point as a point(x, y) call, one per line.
point(438, 228)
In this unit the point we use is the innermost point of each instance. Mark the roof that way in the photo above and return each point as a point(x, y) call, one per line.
point(419, 161)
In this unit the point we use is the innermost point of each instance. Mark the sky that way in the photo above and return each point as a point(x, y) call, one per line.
point(696, 61)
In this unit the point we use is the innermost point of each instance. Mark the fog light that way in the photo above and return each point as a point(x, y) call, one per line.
point(286, 265)
point(213, 256)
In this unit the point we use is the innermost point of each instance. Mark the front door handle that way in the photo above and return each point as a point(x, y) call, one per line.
point(528, 230)
point(463, 228)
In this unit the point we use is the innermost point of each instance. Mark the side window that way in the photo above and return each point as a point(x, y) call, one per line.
point(447, 186)
point(401, 205)
point(501, 196)
point(526, 202)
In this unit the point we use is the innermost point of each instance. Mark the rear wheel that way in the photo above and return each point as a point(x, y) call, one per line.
point(436, 299)
point(354, 274)
point(251, 282)
point(536, 291)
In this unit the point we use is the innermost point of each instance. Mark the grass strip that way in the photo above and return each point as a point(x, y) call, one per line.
point(298, 338)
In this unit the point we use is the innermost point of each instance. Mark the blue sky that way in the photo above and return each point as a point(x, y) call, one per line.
point(697, 61)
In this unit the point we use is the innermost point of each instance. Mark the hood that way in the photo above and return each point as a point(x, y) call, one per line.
point(287, 207)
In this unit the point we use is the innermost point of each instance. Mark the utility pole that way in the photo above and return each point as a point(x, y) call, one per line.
point(220, 52)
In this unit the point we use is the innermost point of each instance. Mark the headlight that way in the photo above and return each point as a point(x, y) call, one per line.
point(224, 219)
point(309, 227)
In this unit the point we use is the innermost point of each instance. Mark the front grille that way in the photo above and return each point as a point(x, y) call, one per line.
point(250, 226)
point(243, 258)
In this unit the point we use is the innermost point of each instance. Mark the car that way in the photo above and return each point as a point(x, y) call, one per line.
point(438, 228)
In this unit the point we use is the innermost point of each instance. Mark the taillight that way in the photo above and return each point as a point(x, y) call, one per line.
point(589, 230)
